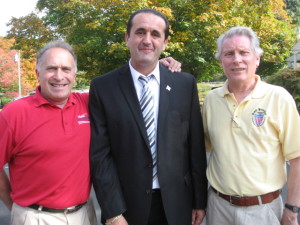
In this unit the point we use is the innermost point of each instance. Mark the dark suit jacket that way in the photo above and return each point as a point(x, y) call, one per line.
point(121, 162)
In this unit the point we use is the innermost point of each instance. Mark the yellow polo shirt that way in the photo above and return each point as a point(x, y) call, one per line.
point(250, 141)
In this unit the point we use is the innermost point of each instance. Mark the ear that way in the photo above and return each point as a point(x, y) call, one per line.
point(165, 44)
point(257, 61)
point(126, 39)
point(37, 74)
point(221, 64)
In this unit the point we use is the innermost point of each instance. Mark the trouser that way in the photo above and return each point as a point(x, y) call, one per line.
point(222, 212)
point(27, 216)
point(157, 213)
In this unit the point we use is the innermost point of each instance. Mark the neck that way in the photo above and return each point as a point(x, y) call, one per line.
point(241, 90)
point(144, 69)
point(61, 105)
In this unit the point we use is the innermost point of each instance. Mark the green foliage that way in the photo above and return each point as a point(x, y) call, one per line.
point(96, 29)
point(30, 34)
point(81, 82)
point(293, 9)
point(290, 80)
point(4, 100)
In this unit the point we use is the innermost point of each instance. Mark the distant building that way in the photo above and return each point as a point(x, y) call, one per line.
point(294, 60)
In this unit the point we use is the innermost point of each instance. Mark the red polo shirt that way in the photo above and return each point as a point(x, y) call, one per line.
point(47, 149)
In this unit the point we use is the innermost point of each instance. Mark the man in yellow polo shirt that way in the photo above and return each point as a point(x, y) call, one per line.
point(251, 129)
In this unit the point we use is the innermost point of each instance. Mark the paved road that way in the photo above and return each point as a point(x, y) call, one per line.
point(5, 214)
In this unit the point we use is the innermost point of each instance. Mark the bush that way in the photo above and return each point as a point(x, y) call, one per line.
point(4, 100)
point(290, 80)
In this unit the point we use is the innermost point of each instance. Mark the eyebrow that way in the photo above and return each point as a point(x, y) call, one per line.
point(140, 29)
point(152, 31)
point(56, 67)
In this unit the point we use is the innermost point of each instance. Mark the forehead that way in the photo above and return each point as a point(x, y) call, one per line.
point(148, 20)
point(237, 42)
point(57, 56)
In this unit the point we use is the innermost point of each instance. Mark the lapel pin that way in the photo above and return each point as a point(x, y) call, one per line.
point(168, 88)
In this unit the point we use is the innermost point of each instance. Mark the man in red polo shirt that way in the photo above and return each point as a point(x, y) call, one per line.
point(45, 138)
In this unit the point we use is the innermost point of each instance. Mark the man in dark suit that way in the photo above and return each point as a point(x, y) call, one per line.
point(148, 158)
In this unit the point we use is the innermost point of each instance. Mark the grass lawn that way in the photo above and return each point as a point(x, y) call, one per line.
point(203, 88)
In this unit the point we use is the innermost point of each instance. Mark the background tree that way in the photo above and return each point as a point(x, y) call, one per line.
point(8, 68)
point(290, 80)
point(293, 9)
point(96, 29)
point(30, 34)
point(9, 71)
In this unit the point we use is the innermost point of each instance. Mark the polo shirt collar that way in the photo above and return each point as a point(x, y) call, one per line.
point(39, 100)
point(259, 90)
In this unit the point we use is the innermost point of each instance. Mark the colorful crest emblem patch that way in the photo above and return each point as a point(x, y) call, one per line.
point(258, 117)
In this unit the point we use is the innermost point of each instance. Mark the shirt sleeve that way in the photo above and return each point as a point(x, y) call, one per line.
point(6, 139)
point(289, 127)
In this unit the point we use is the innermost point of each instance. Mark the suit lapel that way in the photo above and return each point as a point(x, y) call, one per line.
point(164, 96)
point(129, 92)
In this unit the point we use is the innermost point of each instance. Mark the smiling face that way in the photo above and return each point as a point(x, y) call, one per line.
point(238, 59)
point(146, 41)
point(56, 75)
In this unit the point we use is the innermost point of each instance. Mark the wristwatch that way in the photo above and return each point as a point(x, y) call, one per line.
point(293, 208)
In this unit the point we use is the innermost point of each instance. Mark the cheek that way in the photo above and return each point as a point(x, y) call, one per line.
point(222, 64)
point(131, 43)
point(71, 78)
point(41, 79)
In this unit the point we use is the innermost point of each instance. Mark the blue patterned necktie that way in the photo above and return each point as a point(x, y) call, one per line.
point(147, 106)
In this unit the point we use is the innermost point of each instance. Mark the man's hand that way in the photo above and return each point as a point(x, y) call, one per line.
point(289, 218)
point(172, 64)
point(119, 221)
point(197, 216)
point(293, 195)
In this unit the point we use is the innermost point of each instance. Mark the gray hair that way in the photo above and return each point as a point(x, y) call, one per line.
point(56, 44)
point(242, 31)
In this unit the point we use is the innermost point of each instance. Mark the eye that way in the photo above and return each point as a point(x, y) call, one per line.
point(67, 69)
point(51, 69)
point(228, 54)
point(140, 32)
point(244, 53)
point(156, 34)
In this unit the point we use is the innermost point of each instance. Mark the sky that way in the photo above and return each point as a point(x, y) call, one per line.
point(14, 8)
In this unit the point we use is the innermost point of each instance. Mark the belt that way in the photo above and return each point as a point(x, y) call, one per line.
point(67, 210)
point(249, 201)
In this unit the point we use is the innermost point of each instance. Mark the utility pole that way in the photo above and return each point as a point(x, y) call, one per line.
point(18, 59)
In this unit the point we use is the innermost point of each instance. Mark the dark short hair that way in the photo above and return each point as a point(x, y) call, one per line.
point(153, 11)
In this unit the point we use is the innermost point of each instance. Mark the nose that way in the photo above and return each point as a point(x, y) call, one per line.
point(146, 38)
point(58, 74)
point(237, 58)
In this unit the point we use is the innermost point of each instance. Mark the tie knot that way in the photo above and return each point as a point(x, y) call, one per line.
point(144, 79)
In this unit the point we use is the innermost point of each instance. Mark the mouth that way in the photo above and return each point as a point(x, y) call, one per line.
point(58, 85)
point(238, 69)
point(146, 49)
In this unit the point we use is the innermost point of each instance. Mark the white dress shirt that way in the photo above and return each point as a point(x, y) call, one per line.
point(153, 84)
